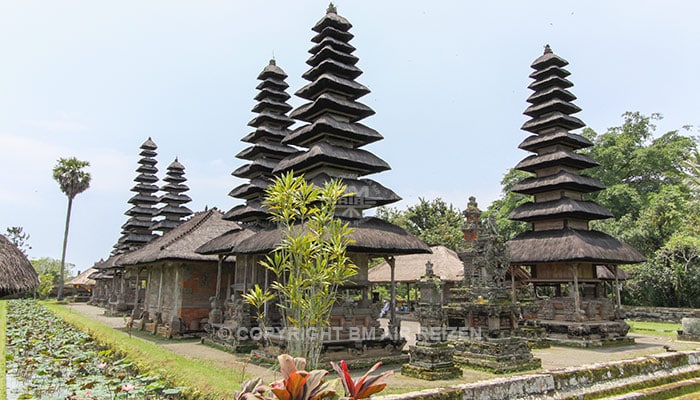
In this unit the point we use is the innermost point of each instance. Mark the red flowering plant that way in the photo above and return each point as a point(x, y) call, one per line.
point(364, 387)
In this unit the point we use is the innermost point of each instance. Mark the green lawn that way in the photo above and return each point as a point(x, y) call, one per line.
point(207, 380)
point(654, 328)
point(3, 320)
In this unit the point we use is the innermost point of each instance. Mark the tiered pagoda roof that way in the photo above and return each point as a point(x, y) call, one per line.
point(332, 136)
point(137, 230)
point(266, 150)
point(174, 199)
point(559, 216)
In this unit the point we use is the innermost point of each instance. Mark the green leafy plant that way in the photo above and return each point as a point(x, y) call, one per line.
point(257, 297)
point(311, 262)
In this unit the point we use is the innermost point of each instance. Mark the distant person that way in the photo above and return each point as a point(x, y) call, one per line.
point(385, 309)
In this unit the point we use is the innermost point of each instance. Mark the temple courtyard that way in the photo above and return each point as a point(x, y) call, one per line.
point(552, 358)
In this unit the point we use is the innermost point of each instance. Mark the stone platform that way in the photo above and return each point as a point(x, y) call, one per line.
point(587, 334)
point(496, 355)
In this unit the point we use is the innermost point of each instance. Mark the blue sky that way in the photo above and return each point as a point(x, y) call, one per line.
point(448, 79)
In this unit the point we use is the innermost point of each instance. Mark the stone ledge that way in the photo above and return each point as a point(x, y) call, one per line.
point(563, 380)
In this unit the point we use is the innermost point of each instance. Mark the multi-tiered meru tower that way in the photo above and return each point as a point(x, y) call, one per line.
point(173, 211)
point(561, 254)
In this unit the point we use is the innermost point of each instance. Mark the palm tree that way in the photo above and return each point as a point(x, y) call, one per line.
point(72, 180)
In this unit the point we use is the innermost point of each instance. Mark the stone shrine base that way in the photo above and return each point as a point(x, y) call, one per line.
point(587, 334)
point(496, 355)
point(431, 374)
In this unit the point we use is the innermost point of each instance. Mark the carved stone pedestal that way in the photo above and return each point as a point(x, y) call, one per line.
point(691, 329)
point(431, 361)
point(431, 357)
point(497, 355)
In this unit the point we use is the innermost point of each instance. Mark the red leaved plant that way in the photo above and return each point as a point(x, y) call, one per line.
point(298, 384)
point(364, 387)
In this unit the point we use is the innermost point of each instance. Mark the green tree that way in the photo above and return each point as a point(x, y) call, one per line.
point(19, 238)
point(434, 222)
point(311, 262)
point(72, 180)
point(692, 170)
point(631, 155)
point(501, 208)
point(49, 271)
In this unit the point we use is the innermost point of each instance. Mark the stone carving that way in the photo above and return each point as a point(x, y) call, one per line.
point(431, 356)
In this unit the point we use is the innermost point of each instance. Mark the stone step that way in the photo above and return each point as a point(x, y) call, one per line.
point(663, 391)
point(636, 386)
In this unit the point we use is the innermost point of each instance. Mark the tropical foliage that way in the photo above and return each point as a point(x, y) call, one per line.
point(19, 238)
point(311, 262)
point(298, 384)
point(72, 180)
point(434, 222)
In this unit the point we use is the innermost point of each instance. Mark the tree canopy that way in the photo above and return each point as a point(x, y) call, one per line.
point(434, 222)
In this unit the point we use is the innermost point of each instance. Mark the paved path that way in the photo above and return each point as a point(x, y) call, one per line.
point(554, 357)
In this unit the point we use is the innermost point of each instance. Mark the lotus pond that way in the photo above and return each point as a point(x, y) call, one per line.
point(49, 359)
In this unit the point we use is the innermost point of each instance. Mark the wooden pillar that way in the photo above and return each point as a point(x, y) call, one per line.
point(392, 311)
point(136, 311)
point(218, 275)
point(618, 301)
point(160, 290)
point(577, 298)
point(512, 283)
point(245, 275)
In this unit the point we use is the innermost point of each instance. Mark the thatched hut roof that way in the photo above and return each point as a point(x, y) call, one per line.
point(410, 267)
point(370, 235)
point(83, 279)
point(227, 242)
point(17, 272)
point(567, 245)
point(603, 272)
point(181, 242)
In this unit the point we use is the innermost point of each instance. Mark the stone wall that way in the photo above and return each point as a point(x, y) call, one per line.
point(660, 314)
point(560, 381)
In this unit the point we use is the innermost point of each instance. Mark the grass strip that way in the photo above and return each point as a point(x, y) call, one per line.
point(654, 328)
point(205, 379)
point(3, 340)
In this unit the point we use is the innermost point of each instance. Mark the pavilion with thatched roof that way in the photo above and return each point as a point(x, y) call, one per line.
point(177, 283)
point(411, 267)
point(560, 253)
point(83, 284)
point(18, 275)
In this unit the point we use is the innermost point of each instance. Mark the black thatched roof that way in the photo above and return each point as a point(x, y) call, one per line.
point(17, 272)
point(559, 181)
point(322, 153)
point(227, 242)
point(561, 136)
point(181, 242)
point(371, 235)
point(567, 158)
point(570, 245)
point(559, 208)
point(604, 273)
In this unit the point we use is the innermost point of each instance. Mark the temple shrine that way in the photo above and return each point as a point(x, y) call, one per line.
point(560, 255)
